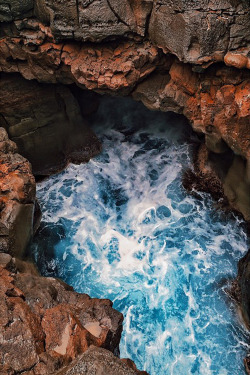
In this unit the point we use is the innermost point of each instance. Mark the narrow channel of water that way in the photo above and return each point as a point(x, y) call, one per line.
point(122, 227)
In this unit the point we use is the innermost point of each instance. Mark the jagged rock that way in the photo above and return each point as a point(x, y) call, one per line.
point(217, 104)
point(200, 32)
point(90, 20)
point(104, 68)
point(44, 324)
point(98, 361)
point(12, 9)
point(240, 292)
point(46, 123)
point(17, 198)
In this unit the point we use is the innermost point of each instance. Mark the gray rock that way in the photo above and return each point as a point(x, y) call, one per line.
point(88, 20)
point(98, 361)
point(200, 30)
point(13, 9)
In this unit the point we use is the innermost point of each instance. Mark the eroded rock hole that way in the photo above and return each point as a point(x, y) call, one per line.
point(123, 227)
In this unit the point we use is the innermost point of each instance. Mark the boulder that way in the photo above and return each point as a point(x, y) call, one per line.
point(45, 325)
point(99, 361)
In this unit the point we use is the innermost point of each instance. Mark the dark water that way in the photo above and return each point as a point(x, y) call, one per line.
point(122, 227)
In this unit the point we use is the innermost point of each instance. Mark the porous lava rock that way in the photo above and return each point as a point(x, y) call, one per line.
point(17, 198)
point(202, 31)
point(240, 291)
point(215, 100)
point(190, 57)
point(45, 325)
point(197, 31)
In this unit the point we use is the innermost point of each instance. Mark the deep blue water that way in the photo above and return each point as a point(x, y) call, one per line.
point(122, 227)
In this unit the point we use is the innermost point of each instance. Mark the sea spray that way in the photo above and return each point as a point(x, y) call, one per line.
point(122, 227)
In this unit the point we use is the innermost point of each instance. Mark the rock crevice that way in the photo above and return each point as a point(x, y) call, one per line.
point(190, 57)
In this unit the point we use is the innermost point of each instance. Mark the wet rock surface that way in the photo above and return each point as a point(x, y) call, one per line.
point(240, 291)
point(242, 286)
point(45, 325)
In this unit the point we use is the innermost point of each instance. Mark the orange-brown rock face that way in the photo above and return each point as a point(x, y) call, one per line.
point(17, 198)
point(108, 68)
point(44, 324)
point(217, 103)
point(215, 100)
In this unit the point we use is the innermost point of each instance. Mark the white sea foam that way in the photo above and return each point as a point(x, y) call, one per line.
point(122, 227)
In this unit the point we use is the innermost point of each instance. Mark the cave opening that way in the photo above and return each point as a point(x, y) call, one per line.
point(123, 227)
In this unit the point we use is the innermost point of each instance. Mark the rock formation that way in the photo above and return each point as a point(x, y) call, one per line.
point(44, 325)
point(240, 292)
point(100, 361)
point(17, 198)
point(190, 57)
point(45, 122)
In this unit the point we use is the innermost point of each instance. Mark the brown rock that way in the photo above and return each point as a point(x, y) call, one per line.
point(236, 59)
point(17, 198)
point(33, 113)
point(44, 324)
point(113, 67)
point(98, 361)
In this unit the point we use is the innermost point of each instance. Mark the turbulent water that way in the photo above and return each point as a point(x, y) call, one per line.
point(122, 227)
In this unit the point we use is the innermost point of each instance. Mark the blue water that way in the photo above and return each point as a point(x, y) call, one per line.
point(122, 227)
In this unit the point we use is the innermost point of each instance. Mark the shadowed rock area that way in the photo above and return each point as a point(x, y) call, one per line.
point(46, 123)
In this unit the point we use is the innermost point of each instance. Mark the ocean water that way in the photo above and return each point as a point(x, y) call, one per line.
point(122, 227)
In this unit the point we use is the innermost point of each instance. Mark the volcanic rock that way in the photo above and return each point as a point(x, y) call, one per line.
point(17, 198)
point(46, 123)
point(99, 361)
point(44, 324)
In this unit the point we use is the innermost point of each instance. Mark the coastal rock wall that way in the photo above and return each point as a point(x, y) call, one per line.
point(46, 123)
point(130, 49)
point(215, 100)
point(202, 31)
point(17, 198)
point(44, 325)
point(190, 57)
